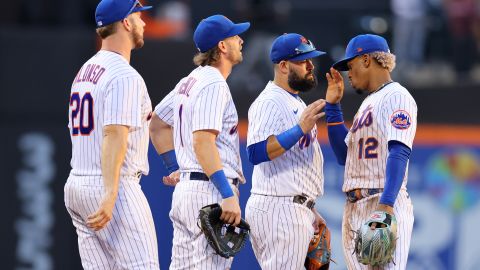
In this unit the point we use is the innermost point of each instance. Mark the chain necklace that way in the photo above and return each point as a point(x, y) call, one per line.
point(380, 88)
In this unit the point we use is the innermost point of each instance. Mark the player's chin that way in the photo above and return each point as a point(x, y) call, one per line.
point(139, 43)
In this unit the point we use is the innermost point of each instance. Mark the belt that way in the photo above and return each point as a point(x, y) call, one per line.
point(360, 193)
point(203, 177)
point(304, 200)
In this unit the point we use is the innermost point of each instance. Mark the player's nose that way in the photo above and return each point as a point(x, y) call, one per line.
point(310, 65)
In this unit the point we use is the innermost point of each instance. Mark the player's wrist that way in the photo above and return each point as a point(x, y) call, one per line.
point(170, 161)
point(290, 137)
point(333, 113)
point(385, 208)
point(220, 181)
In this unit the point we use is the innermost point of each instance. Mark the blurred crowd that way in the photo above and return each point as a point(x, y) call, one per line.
point(436, 41)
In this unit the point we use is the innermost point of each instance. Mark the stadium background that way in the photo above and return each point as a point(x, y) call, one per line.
point(44, 42)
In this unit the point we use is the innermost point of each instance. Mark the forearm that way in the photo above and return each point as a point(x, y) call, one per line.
point(395, 172)
point(161, 135)
point(337, 131)
point(114, 149)
point(208, 157)
point(206, 151)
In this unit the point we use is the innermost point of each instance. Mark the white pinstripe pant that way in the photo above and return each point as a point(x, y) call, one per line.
point(357, 213)
point(128, 241)
point(190, 248)
point(280, 231)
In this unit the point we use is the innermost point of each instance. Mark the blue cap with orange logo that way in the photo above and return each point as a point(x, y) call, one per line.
point(293, 47)
point(360, 45)
point(110, 11)
point(214, 29)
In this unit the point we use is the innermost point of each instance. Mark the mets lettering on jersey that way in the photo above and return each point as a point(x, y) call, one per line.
point(389, 114)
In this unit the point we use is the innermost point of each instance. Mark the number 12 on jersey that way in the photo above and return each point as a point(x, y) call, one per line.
point(367, 148)
point(84, 124)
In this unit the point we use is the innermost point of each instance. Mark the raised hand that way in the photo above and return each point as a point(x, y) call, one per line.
point(311, 114)
point(335, 86)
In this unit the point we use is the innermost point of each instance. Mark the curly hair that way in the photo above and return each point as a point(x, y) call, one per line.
point(386, 60)
point(209, 57)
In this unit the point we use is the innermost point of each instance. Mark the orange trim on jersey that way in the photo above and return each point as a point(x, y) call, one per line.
point(427, 134)
point(335, 124)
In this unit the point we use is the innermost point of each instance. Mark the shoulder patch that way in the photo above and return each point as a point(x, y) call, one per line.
point(400, 119)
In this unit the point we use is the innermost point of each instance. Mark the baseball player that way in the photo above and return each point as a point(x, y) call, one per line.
point(204, 119)
point(109, 113)
point(288, 173)
point(376, 149)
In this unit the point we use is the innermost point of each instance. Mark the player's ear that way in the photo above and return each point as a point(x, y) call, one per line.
point(222, 46)
point(283, 67)
point(366, 60)
point(127, 24)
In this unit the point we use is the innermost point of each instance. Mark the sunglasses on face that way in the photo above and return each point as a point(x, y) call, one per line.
point(303, 48)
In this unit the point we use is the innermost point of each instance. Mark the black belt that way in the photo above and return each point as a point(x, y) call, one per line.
point(360, 193)
point(203, 177)
point(304, 200)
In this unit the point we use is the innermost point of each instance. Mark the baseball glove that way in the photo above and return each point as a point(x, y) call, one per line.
point(319, 252)
point(225, 239)
point(376, 246)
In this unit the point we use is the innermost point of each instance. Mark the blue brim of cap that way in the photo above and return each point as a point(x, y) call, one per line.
point(137, 9)
point(308, 55)
point(238, 29)
point(342, 64)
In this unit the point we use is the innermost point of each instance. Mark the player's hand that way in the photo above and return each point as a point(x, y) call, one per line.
point(104, 213)
point(335, 86)
point(318, 221)
point(311, 114)
point(231, 212)
point(172, 179)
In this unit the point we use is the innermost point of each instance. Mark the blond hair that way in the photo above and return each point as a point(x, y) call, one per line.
point(209, 57)
point(386, 60)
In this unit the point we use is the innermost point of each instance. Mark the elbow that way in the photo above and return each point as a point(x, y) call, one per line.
point(154, 126)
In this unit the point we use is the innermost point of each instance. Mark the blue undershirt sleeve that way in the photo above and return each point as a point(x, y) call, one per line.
point(337, 131)
point(257, 153)
point(397, 162)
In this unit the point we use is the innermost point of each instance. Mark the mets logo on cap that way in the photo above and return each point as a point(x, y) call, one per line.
point(400, 119)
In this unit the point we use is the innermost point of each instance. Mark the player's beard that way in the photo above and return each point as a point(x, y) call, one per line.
point(304, 84)
point(137, 36)
point(234, 56)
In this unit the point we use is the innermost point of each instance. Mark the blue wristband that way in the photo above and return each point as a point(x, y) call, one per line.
point(290, 137)
point(170, 161)
point(220, 181)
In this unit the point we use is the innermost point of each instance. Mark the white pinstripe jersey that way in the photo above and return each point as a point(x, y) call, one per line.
point(108, 91)
point(300, 169)
point(385, 115)
point(201, 101)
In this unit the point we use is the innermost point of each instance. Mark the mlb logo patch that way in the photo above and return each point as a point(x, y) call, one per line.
point(400, 119)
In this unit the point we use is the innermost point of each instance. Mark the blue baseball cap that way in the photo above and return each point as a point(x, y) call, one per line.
point(214, 29)
point(293, 47)
point(110, 11)
point(360, 45)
